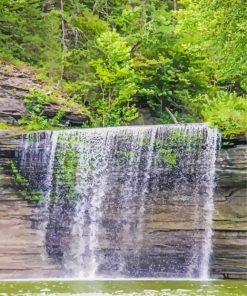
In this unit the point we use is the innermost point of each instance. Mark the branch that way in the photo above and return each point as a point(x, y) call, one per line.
point(171, 115)
point(135, 47)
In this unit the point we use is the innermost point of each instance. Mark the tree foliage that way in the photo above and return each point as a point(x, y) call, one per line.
point(115, 56)
point(218, 30)
point(226, 111)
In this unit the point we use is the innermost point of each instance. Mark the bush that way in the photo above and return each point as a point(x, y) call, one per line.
point(37, 98)
point(35, 101)
point(228, 112)
point(35, 122)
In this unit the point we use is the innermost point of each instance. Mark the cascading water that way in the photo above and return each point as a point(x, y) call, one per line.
point(125, 201)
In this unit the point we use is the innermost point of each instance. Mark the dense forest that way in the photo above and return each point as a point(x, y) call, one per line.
point(186, 61)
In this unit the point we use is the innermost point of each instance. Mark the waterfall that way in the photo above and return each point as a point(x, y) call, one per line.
point(125, 201)
point(209, 208)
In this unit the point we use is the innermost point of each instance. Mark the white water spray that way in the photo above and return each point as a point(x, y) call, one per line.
point(105, 183)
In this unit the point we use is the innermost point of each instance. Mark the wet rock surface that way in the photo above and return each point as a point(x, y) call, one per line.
point(124, 202)
point(167, 224)
point(22, 251)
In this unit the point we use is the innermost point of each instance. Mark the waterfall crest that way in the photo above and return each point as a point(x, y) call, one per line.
point(114, 198)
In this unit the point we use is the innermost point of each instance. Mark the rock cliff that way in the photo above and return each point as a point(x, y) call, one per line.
point(163, 229)
point(22, 252)
point(230, 214)
point(15, 83)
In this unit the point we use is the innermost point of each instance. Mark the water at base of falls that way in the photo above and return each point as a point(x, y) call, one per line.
point(125, 201)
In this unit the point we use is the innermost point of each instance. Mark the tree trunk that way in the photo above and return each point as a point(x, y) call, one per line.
point(171, 115)
point(62, 41)
point(63, 27)
point(175, 5)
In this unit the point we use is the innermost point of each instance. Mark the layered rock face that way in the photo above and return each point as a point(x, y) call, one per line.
point(22, 250)
point(15, 83)
point(22, 253)
point(123, 183)
point(167, 225)
point(230, 214)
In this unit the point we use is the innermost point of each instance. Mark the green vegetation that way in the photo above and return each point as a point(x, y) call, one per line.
point(125, 154)
point(35, 102)
point(26, 190)
point(176, 145)
point(228, 112)
point(68, 163)
point(3, 126)
point(69, 169)
point(169, 156)
point(184, 60)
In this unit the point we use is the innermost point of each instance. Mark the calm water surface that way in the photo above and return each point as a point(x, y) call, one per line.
point(127, 287)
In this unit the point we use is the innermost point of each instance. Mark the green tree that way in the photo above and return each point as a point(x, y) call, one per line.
point(218, 31)
point(115, 79)
point(52, 50)
point(21, 25)
point(114, 56)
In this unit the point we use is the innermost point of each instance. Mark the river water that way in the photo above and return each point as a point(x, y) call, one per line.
point(124, 287)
